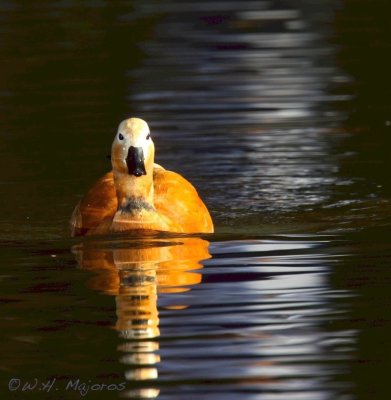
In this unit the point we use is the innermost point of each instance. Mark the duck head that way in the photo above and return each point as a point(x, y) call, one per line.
point(132, 159)
point(133, 151)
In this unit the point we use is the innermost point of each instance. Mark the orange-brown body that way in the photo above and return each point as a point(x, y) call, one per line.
point(139, 197)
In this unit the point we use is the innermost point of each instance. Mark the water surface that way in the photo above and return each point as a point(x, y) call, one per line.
point(279, 113)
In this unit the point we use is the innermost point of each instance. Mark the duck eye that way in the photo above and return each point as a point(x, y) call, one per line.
point(148, 136)
point(121, 136)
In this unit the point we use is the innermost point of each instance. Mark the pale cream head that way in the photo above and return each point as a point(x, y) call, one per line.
point(135, 132)
point(132, 133)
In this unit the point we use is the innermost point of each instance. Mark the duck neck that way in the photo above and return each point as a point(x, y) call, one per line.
point(134, 193)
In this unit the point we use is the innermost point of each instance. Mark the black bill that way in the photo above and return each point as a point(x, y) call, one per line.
point(135, 161)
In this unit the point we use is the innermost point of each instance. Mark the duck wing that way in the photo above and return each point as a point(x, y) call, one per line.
point(176, 198)
point(98, 204)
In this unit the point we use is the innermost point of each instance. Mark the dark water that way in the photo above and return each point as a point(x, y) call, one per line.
point(279, 112)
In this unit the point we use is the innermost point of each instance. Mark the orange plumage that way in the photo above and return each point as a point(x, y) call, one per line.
point(139, 194)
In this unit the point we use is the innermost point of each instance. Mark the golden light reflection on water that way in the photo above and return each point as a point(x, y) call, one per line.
point(135, 274)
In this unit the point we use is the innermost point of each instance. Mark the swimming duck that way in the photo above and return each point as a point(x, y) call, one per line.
point(139, 194)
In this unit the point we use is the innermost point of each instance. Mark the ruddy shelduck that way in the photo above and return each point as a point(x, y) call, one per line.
point(139, 195)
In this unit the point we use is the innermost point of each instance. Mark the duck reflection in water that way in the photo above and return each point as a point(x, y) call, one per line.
point(135, 272)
